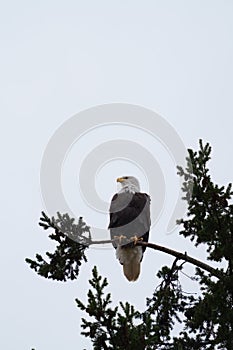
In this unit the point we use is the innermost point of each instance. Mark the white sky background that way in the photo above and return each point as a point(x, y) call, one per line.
point(58, 58)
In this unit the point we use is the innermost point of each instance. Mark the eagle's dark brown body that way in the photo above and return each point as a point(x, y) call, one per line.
point(130, 217)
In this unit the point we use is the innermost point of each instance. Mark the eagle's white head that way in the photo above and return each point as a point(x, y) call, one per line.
point(129, 184)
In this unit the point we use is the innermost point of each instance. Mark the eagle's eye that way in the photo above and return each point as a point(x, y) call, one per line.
point(126, 177)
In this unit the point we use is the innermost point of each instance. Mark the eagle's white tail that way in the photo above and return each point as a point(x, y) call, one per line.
point(132, 271)
point(130, 258)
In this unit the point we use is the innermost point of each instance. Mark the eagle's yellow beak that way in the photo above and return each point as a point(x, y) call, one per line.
point(120, 179)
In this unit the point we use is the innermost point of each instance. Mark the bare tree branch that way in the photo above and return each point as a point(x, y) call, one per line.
point(181, 256)
point(185, 257)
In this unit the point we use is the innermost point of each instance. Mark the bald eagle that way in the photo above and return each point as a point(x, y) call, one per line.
point(129, 221)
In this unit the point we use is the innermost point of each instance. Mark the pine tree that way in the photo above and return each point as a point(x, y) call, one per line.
point(206, 319)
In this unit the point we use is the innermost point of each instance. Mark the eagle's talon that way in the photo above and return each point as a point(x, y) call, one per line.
point(136, 239)
point(120, 238)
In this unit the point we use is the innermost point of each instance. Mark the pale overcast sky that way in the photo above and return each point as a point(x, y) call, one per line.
point(59, 58)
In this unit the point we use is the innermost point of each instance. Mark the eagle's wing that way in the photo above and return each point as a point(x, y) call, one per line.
point(130, 215)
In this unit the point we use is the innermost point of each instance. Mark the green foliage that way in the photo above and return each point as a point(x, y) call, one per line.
point(211, 316)
point(123, 327)
point(210, 217)
point(209, 222)
point(73, 239)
